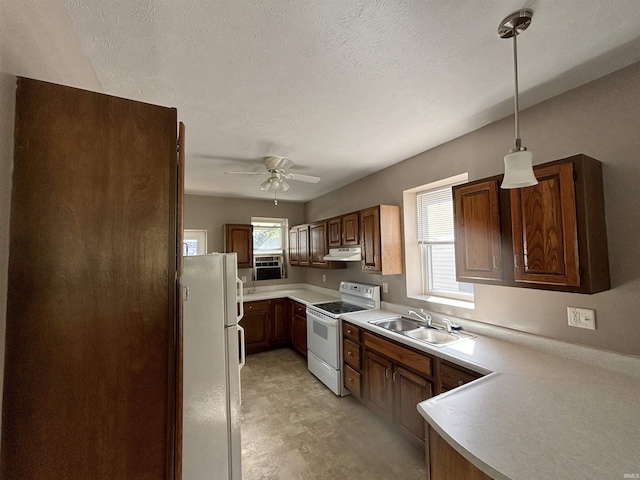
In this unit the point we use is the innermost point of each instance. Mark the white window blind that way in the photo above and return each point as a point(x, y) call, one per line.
point(437, 247)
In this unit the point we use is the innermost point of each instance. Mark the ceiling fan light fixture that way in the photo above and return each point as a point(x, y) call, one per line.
point(284, 186)
point(518, 164)
point(275, 183)
point(266, 185)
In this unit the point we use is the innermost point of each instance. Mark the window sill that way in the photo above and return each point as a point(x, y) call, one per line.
point(453, 302)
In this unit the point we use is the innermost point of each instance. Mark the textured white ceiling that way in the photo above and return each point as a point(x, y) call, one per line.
point(343, 87)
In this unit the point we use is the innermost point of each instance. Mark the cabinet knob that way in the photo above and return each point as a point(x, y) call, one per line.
point(350, 354)
point(460, 382)
point(350, 380)
point(349, 331)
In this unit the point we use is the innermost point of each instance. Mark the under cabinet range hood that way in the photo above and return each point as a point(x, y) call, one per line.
point(351, 254)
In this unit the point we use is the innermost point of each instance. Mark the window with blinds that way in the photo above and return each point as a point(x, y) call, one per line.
point(437, 247)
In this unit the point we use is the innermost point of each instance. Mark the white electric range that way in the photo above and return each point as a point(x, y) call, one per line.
point(324, 337)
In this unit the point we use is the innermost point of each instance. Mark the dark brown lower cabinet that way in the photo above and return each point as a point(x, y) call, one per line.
point(396, 379)
point(256, 326)
point(300, 334)
point(279, 326)
point(91, 381)
point(269, 324)
point(444, 463)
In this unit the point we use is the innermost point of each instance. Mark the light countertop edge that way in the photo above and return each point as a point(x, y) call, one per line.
point(535, 405)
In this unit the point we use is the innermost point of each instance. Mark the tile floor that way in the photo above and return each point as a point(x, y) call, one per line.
point(293, 427)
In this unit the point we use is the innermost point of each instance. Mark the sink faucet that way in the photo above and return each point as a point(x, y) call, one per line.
point(447, 324)
point(424, 316)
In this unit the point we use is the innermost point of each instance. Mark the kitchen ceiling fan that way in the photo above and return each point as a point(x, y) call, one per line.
point(277, 170)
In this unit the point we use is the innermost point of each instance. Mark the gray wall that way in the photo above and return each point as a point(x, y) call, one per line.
point(211, 213)
point(600, 119)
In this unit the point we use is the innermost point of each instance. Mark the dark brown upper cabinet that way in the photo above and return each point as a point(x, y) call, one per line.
point(239, 239)
point(344, 231)
point(381, 240)
point(550, 236)
point(477, 231)
point(351, 229)
point(544, 229)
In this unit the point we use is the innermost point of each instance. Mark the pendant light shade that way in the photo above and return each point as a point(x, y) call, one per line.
point(518, 170)
point(518, 164)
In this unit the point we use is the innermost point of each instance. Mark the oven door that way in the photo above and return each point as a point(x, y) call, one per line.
point(322, 338)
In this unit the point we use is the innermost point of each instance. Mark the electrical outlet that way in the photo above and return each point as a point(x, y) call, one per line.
point(324, 277)
point(582, 317)
point(385, 287)
point(244, 279)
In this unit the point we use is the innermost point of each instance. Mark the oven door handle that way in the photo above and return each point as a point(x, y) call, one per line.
point(315, 318)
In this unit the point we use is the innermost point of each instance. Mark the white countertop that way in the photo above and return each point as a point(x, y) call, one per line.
point(303, 295)
point(537, 416)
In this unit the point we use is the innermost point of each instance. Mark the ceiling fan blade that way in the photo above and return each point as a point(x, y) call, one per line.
point(246, 173)
point(285, 163)
point(302, 178)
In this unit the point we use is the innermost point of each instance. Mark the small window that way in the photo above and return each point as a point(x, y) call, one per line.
point(269, 235)
point(194, 242)
point(437, 244)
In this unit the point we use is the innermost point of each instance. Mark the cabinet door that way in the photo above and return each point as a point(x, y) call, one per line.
point(304, 259)
point(545, 242)
point(294, 255)
point(334, 227)
point(256, 326)
point(477, 231)
point(239, 239)
point(379, 386)
point(410, 389)
point(351, 229)
point(91, 288)
point(370, 239)
point(318, 244)
point(278, 324)
point(300, 334)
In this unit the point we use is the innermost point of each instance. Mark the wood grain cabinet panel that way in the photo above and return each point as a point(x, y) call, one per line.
point(381, 240)
point(278, 323)
point(379, 387)
point(304, 257)
point(551, 235)
point(91, 382)
point(477, 231)
point(350, 229)
point(334, 232)
point(294, 255)
point(445, 463)
point(239, 239)
point(410, 389)
point(318, 246)
point(544, 226)
point(256, 326)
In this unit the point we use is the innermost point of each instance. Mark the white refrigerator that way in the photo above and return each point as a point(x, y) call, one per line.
point(213, 345)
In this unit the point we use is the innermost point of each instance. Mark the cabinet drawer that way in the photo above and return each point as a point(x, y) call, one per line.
point(351, 353)
point(351, 331)
point(452, 377)
point(257, 306)
point(418, 361)
point(299, 309)
point(352, 381)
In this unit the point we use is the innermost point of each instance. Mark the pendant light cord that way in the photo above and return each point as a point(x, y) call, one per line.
point(515, 81)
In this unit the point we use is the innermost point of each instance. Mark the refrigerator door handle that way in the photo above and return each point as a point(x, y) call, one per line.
point(240, 299)
point(243, 355)
point(185, 296)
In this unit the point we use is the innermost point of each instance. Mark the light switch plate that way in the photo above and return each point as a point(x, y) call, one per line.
point(244, 279)
point(581, 317)
point(385, 287)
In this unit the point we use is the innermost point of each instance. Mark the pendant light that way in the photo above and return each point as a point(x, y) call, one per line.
point(518, 166)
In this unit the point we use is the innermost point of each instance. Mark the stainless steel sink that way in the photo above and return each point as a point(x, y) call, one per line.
point(420, 331)
point(398, 324)
point(434, 337)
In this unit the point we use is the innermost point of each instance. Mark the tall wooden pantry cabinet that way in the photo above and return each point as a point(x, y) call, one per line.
point(92, 372)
